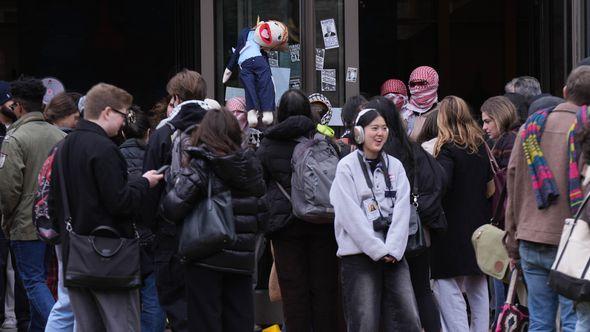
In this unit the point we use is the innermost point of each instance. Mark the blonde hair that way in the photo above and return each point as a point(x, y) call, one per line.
point(502, 112)
point(105, 95)
point(456, 125)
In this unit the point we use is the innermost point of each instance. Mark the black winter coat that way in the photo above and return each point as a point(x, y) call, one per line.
point(99, 192)
point(275, 152)
point(239, 172)
point(466, 208)
point(157, 155)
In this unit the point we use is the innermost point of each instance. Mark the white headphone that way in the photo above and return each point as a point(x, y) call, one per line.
point(358, 131)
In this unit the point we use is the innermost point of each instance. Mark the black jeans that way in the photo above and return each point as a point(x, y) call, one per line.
point(427, 305)
point(378, 294)
point(170, 282)
point(219, 301)
point(305, 258)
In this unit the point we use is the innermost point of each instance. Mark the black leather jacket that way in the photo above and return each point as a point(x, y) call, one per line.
point(239, 172)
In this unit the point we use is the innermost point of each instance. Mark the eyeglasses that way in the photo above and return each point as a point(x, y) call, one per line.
point(117, 111)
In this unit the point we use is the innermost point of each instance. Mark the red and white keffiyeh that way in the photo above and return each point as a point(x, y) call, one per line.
point(423, 89)
point(237, 105)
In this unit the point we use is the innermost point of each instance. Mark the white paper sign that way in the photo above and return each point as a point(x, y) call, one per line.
point(320, 54)
point(231, 92)
point(294, 52)
point(280, 78)
point(295, 83)
point(329, 33)
point(273, 58)
point(351, 74)
point(328, 79)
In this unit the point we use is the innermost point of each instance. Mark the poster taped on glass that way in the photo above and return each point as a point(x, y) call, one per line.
point(329, 33)
point(328, 79)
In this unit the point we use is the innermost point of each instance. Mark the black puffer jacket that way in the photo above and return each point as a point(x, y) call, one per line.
point(241, 173)
point(133, 150)
point(275, 152)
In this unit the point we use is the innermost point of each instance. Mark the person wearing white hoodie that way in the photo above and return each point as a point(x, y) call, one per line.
point(371, 199)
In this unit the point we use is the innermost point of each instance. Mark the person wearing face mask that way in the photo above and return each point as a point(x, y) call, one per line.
point(423, 84)
point(396, 91)
point(24, 150)
point(371, 199)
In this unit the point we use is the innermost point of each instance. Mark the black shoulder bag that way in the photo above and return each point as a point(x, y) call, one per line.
point(416, 236)
point(210, 227)
point(98, 262)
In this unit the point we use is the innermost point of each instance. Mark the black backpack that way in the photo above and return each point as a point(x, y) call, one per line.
point(431, 178)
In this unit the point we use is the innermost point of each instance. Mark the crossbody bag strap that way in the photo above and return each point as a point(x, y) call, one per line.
point(499, 208)
point(282, 189)
point(369, 182)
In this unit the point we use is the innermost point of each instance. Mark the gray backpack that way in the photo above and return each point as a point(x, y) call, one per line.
point(180, 140)
point(314, 164)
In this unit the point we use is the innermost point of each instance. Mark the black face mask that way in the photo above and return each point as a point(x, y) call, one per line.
point(8, 113)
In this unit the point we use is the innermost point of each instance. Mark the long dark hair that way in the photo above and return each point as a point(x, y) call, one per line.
point(219, 131)
point(293, 102)
point(398, 144)
point(138, 123)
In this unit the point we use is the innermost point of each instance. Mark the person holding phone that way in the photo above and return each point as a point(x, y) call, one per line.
point(371, 199)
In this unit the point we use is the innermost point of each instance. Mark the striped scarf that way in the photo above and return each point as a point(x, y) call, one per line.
point(576, 196)
point(543, 181)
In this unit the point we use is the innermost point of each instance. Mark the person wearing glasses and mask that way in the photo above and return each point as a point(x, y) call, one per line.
point(371, 199)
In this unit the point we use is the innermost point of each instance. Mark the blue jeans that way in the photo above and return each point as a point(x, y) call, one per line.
point(153, 318)
point(583, 313)
point(30, 263)
point(500, 290)
point(61, 318)
point(536, 261)
point(378, 294)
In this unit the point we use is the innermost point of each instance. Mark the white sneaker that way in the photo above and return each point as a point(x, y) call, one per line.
point(267, 118)
point(9, 323)
point(253, 118)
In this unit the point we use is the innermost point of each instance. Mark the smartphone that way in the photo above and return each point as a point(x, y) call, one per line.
point(162, 169)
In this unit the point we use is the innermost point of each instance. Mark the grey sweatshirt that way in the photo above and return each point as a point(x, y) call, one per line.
point(349, 195)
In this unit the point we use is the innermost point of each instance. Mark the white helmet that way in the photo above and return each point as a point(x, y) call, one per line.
point(271, 34)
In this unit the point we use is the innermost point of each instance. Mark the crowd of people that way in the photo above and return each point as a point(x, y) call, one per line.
point(415, 177)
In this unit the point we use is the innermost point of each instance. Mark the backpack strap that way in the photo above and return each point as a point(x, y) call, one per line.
point(62, 184)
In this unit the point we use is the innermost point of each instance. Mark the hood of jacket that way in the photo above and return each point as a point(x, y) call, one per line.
point(240, 170)
point(190, 113)
point(292, 127)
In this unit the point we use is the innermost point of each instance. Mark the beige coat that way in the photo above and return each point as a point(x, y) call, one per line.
point(524, 221)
